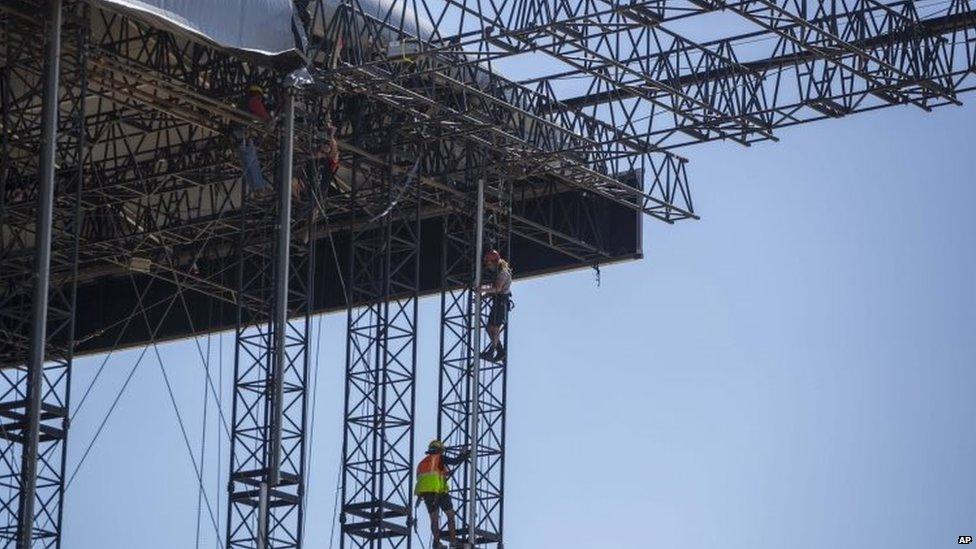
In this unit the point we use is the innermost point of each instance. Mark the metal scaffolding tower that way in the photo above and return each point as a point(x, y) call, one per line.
point(38, 265)
point(381, 352)
point(266, 490)
point(478, 484)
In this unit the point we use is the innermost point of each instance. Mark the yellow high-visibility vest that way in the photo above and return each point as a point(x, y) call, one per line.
point(432, 476)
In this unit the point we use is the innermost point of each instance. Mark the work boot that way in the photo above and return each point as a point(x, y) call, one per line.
point(500, 354)
point(488, 353)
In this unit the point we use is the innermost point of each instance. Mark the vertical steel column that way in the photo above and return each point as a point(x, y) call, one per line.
point(42, 246)
point(275, 271)
point(5, 117)
point(262, 538)
point(281, 279)
point(457, 350)
point(35, 367)
point(479, 233)
point(280, 319)
point(501, 220)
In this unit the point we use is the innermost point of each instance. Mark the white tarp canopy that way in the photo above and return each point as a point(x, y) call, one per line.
point(268, 28)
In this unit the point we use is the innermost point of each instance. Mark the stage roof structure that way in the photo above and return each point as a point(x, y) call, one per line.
point(143, 197)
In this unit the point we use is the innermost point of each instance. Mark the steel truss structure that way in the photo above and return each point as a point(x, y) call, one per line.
point(428, 98)
point(637, 91)
point(381, 348)
point(477, 485)
point(34, 402)
point(266, 490)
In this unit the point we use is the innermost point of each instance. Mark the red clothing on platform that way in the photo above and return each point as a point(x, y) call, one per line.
point(256, 105)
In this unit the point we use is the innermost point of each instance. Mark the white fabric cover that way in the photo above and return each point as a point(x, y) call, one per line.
point(262, 27)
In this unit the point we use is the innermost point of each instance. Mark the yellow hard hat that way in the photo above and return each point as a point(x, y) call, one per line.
point(254, 88)
point(435, 446)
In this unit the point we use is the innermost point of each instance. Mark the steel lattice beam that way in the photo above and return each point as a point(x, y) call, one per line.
point(382, 276)
point(34, 403)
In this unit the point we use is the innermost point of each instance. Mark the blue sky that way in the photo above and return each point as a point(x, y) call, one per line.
point(794, 370)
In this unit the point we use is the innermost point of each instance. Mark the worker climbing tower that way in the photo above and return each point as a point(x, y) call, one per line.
point(471, 402)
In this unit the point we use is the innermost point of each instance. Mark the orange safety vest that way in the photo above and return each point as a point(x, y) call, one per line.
point(432, 476)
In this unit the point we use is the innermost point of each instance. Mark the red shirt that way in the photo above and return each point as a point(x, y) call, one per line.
point(256, 105)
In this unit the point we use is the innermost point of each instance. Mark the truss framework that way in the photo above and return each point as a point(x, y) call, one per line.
point(621, 64)
point(458, 354)
point(267, 474)
point(146, 125)
point(33, 469)
point(381, 357)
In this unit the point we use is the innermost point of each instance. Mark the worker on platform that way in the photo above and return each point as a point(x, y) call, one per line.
point(247, 148)
point(499, 292)
point(254, 103)
point(433, 489)
point(331, 149)
point(316, 173)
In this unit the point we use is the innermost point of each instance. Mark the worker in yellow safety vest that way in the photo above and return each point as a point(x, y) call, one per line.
point(433, 489)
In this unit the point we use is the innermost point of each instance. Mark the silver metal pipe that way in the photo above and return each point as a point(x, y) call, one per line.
point(280, 320)
point(476, 371)
point(262, 540)
point(45, 207)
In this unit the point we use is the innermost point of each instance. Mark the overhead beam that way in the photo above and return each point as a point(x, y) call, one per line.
point(930, 28)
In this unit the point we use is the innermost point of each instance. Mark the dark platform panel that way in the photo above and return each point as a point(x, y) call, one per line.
point(104, 306)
